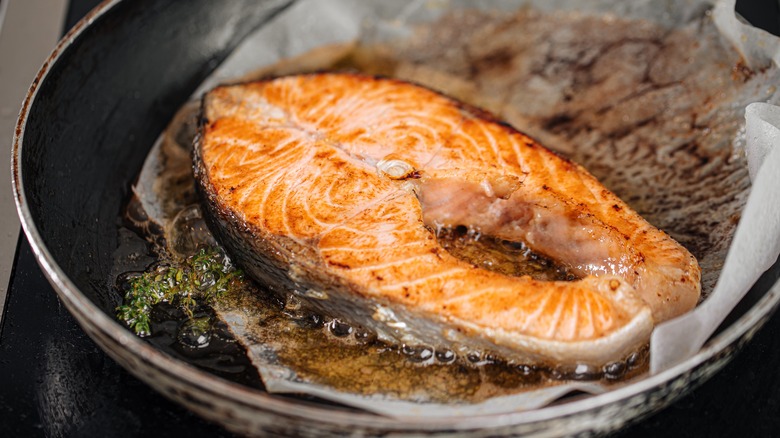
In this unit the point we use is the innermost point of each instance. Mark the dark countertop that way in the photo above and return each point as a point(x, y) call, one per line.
point(54, 381)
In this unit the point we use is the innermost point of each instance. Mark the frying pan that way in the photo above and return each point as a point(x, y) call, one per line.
point(90, 117)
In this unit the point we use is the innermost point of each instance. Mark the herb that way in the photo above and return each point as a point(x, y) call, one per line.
point(197, 280)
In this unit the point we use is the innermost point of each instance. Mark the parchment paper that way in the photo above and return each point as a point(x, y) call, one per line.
point(756, 242)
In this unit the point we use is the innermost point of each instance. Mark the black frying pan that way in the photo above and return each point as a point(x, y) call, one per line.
point(92, 115)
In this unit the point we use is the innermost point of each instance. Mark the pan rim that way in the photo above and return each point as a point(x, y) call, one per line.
point(89, 313)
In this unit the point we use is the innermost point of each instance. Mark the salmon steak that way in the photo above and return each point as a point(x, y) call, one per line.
point(332, 186)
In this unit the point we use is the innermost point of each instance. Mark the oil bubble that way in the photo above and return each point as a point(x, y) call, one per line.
point(417, 353)
point(634, 360)
point(312, 321)
point(474, 357)
point(188, 232)
point(615, 370)
point(206, 280)
point(292, 303)
point(195, 333)
point(445, 356)
point(526, 370)
point(339, 328)
point(294, 308)
point(577, 372)
point(585, 372)
point(364, 336)
point(516, 246)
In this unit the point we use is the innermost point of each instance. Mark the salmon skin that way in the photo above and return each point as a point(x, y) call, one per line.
point(331, 187)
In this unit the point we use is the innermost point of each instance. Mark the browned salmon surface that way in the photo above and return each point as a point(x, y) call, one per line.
point(331, 186)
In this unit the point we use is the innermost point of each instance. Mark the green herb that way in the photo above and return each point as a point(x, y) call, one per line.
point(197, 280)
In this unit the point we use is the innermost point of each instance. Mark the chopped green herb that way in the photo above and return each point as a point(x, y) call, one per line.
point(197, 280)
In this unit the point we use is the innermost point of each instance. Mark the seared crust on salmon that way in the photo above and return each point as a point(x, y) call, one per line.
point(330, 186)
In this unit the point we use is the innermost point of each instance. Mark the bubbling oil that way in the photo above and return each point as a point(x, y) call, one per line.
point(203, 340)
point(503, 256)
point(332, 352)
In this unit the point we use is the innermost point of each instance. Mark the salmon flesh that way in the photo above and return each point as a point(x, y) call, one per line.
point(331, 187)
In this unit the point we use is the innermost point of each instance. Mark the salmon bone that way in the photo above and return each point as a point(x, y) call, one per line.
point(395, 168)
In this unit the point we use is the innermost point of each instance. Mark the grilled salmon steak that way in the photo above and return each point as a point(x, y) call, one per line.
point(331, 187)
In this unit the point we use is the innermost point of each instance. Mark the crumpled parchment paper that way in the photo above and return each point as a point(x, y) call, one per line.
point(714, 146)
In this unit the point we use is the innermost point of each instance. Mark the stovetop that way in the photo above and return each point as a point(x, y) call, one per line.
point(54, 381)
